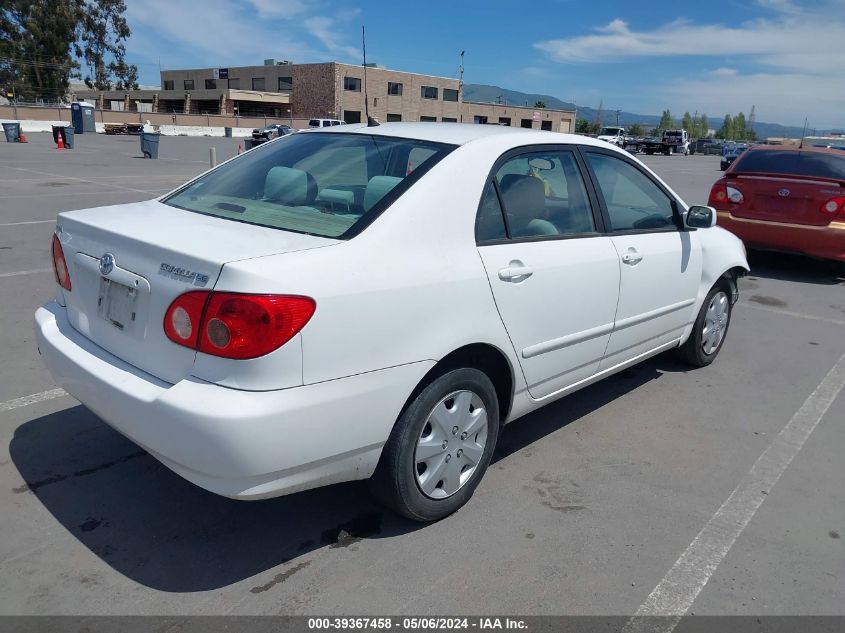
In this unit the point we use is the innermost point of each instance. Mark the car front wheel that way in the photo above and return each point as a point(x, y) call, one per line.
point(440, 447)
point(710, 328)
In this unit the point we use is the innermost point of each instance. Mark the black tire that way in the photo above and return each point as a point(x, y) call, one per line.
point(692, 351)
point(395, 481)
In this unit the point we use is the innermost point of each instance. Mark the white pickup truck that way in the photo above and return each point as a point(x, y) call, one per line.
point(613, 134)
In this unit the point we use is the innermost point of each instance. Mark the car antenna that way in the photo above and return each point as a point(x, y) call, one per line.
point(371, 122)
point(803, 134)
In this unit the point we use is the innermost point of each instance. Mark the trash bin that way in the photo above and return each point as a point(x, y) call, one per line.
point(227, 132)
point(13, 132)
point(149, 144)
point(67, 135)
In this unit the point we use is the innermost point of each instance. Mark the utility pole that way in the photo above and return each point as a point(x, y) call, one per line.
point(618, 112)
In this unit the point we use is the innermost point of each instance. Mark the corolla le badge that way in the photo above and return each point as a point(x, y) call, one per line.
point(106, 264)
point(783, 193)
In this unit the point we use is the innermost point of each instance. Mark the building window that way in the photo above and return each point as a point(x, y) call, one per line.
point(481, 120)
point(393, 118)
point(447, 119)
point(428, 92)
point(258, 83)
point(546, 125)
point(450, 94)
point(428, 119)
point(168, 84)
point(352, 116)
point(285, 83)
point(504, 120)
point(189, 84)
point(210, 84)
point(352, 84)
point(235, 84)
point(394, 89)
point(526, 123)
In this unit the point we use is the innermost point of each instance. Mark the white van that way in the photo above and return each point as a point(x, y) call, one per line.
point(325, 122)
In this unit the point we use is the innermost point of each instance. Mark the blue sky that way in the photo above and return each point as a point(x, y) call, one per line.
point(784, 57)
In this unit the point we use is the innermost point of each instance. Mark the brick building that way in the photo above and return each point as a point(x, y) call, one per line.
point(333, 90)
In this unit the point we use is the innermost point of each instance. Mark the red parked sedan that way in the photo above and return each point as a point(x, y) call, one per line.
point(785, 199)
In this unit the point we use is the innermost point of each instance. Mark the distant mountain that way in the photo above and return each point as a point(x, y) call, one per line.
point(495, 94)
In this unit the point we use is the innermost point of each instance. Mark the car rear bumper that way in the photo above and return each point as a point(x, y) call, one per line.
point(824, 242)
point(240, 444)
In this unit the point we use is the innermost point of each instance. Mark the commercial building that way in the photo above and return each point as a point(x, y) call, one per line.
point(297, 92)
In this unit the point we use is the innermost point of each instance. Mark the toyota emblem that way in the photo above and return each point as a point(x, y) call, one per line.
point(106, 264)
point(783, 193)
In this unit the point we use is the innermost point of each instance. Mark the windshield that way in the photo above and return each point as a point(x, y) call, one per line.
point(320, 183)
point(610, 131)
point(792, 162)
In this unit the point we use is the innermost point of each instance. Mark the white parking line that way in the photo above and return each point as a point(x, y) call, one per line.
point(674, 595)
point(29, 222)
point(17, 403)
point(90, 182)
point(27, 272)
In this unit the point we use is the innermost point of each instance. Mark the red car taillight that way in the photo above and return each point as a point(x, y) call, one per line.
point(722, 194)
point(234, 325)
point(834, 205)
point(60, 265)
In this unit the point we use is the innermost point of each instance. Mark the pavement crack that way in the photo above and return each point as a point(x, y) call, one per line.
point(34, 486)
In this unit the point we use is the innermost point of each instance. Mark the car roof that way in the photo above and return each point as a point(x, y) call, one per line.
point(463, 133)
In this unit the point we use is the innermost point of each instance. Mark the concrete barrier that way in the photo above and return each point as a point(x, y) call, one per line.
point(30, 126)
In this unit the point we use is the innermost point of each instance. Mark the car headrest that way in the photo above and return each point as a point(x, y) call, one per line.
point(290, 186)
point(377, 188)
point(524, 198)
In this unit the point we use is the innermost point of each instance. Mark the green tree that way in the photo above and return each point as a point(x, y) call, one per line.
point(540, 104)
point(103, 33)
point(703, 125)
point(739, 125)
point(727, 129)
point(687, 124)
point(582, 126)
point(125, 75)
point(635, 130)
point(666, 123)
point(37, 47)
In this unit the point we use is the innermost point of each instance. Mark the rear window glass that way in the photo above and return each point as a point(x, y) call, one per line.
point(317, 183)
point(792, 163)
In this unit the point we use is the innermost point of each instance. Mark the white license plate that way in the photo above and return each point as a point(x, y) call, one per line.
point(116, 303)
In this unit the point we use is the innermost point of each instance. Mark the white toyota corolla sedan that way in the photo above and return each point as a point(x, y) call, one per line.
point(377, 302)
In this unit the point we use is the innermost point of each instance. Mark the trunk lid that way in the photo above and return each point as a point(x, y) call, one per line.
point(159, 252)
point(796, 200)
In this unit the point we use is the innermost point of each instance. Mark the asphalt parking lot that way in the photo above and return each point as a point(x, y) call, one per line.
point(591, 506)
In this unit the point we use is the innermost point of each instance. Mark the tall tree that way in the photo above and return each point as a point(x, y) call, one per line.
point(103, 33)
point(37, 47)
point(582, 126)
point(539, 104)
point(666, 123)
point(703, 125)
point(739, 126)
point(635, 130)
point(727, 129)
point(687, 124)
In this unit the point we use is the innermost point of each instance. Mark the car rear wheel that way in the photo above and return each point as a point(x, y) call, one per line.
point(440, 447)
point(710, 328)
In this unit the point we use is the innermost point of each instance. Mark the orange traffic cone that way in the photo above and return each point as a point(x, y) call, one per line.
point(22, 138)
point(240, 149)
point(60, 143)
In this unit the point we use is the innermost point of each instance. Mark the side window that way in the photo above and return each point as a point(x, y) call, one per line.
point(543, 193)
point(634, 201)
point(490, 223)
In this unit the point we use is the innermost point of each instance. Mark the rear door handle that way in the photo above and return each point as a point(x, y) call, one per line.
point(515, 272)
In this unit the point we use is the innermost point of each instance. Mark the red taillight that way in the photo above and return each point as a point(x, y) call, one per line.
point(235, 325)
point(834, 205)
point(718, 194)
point(60, 265)
point(183, 319)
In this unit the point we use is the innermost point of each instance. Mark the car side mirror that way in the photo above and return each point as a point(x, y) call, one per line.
point(699, 217)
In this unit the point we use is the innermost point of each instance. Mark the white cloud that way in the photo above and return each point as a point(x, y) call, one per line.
point(278, 9)
point(323, 28)
point(796, 54)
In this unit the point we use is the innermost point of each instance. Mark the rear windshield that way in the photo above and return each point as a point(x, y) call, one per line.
point(792, 162)
point(325, 184)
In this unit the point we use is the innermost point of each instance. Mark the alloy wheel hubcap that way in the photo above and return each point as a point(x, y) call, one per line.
point(715, 323)
point(451, 444)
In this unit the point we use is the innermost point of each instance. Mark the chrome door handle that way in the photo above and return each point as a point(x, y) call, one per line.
point(515, 273)
point(632, 258)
